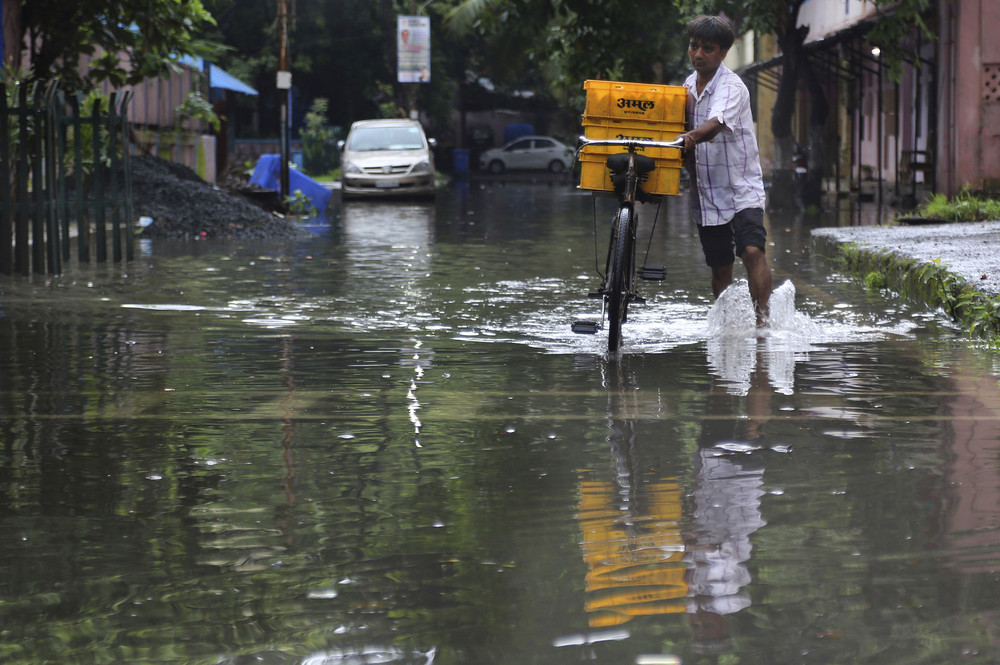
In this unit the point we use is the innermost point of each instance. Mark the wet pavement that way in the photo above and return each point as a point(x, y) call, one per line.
point(968, 250)
point(384, 444)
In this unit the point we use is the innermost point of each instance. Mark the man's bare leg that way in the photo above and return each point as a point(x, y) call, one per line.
point(759, 278)
point(722, 277)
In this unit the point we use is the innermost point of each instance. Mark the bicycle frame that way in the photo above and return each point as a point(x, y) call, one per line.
point(619, 285)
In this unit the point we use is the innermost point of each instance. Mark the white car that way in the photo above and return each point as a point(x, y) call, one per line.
point(387, 158)
point(528, 152)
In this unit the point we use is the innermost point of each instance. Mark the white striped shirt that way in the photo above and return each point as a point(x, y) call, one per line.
point(727, 175)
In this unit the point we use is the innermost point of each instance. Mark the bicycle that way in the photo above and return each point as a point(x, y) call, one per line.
point(618, 288)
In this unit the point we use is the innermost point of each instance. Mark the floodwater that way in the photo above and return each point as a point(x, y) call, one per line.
point(385, 445)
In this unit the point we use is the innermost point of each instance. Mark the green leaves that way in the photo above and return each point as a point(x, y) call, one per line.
point(894, 30)
point(197, 107)
point(319, 140)
point(151, 33)
point(966, 207)
point(565, 42)
point(931, 283)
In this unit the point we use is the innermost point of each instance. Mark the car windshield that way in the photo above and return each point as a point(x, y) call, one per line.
point(364, 139)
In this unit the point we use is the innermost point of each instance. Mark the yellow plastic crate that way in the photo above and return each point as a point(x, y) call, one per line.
point(608, 128)
point(635, 101)
point(664, 179)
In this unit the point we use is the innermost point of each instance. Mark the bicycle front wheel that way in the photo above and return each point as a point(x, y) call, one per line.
point(619, 276)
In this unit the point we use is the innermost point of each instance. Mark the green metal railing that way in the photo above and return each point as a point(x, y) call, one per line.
point(65, 176)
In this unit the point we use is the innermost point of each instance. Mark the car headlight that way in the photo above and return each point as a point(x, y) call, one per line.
point(422, 167)
point(347, 167)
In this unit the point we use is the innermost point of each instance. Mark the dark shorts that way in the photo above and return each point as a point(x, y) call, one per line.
point(746, 229)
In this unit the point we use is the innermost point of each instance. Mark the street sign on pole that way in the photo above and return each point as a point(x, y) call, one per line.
point(413, 46)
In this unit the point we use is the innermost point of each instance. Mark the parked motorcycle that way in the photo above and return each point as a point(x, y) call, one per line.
point(800, 165)
point(800, 171)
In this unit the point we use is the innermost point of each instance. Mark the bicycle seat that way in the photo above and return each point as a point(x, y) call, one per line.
point(619, 163)
point(619, 176)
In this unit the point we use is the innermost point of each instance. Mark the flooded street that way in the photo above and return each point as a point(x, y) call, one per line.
point(385, 445)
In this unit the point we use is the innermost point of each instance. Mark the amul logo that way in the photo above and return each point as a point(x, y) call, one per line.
point(638, 104)
point(622, 137)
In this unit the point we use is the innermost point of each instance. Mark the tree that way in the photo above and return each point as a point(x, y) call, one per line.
point(565, 42)
point(341, 50)
point(151, 34)
point(319, 140)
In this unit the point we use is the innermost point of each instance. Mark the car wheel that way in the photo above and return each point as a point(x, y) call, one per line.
point(496, 166)
point(556, 166)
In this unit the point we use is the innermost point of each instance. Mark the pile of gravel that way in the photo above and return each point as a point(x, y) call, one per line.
point(182, 205)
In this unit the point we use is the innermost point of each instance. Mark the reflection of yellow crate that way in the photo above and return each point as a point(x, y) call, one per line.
point(635, 101)
point(665, 178)
point(606, 128)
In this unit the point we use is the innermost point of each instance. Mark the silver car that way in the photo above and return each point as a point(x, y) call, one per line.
point(387, 158)
point(528, 152)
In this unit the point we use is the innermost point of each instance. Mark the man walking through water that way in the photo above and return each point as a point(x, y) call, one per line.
point(727, 186)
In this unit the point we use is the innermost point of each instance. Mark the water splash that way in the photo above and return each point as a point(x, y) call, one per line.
point(733, 315)
point(739, 351)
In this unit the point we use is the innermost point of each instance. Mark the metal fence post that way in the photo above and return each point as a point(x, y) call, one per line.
point(6, 212)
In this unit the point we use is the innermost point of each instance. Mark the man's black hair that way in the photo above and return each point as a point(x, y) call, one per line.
point(712, 29)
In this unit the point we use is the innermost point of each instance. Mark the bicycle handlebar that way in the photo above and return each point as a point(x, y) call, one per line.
point(583, 142)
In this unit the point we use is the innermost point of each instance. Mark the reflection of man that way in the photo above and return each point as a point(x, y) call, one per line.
point(726, 512)
point(726, 497)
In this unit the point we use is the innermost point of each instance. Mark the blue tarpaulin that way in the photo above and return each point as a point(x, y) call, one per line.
point(217, 77)
point(267, 175)
point(220, 78)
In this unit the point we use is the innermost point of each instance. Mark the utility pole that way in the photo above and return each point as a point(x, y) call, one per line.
point(411, 90)
point(284, 85)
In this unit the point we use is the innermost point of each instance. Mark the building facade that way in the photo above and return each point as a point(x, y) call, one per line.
point(933, 128)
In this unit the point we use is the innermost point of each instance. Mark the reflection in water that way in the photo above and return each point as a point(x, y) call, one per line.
point(726, 493)
point(652, 549)
point(388, 252)
point(726, 490)
point(971, 521)
point(371, 655)
point(378, 224)
point(412, 358)
point(227, 470)
point(366, 654)
point(287, 374)
point(631, 541)
point(393, 239)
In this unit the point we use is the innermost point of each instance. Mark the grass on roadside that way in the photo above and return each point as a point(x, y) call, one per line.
point(966, 207)
point(928, 282)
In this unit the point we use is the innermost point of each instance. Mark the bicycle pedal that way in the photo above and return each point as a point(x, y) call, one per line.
point(596, 294)
point(653, 273)
point(639, 300)
point(586, 327)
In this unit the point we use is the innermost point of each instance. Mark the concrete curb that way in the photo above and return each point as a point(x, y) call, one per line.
point(970, 251)
point(951, 266)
